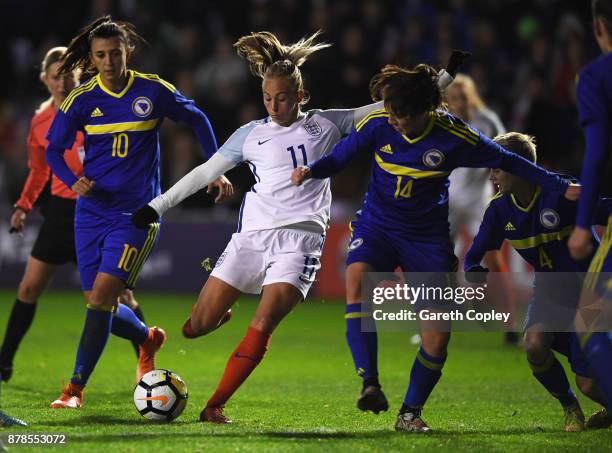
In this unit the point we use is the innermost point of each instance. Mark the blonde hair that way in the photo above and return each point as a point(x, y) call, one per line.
point(268, 57)
point(522, 144)
point(53, 55)
point(469, 88)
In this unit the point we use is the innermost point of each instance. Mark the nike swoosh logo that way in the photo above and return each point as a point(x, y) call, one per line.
point(240, 356)
point(261, 142)
point(162, 398)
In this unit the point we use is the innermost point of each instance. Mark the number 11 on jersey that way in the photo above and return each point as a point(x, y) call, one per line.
point(292, 151)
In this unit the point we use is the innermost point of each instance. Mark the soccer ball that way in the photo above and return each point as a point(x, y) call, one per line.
point(161, 395)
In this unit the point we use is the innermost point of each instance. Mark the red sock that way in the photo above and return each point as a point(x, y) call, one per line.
point(241, 363)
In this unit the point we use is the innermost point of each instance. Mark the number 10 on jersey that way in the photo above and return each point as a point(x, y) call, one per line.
point(293, 156)
point(120, 145)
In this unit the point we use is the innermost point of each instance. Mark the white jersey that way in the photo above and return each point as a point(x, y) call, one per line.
point(273, 152)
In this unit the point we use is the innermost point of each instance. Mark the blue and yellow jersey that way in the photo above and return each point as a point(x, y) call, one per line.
point(594, 101)
point(538, 232)
point(122, 137)
point(408, 189)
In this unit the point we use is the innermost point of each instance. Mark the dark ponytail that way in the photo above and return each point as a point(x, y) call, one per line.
point(407, 92)
point(77, 54)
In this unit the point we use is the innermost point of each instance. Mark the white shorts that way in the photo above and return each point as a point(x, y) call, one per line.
point(253, 259)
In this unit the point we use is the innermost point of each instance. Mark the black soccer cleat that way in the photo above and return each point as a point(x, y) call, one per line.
point(372, 399)
point(6, 371)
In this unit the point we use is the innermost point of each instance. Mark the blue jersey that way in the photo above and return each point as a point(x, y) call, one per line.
point(538, 231)
point(122, 138)
point(594, 99)
point(408, 189)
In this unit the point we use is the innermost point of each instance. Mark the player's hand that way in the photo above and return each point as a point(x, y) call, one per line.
point(579, 244)
point(17, 221)
point(144, 217)
point(572, 192)
point(477, 274)
point(456, 60)
point(83, 186)
point(300, 174)
point(226, 190)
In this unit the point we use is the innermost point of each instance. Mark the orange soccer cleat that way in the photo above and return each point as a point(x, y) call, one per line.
point(71, 397)
point(214, 415)
point(146, 355)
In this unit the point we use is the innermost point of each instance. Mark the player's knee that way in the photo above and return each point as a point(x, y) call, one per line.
point(99, 299)
point(435, 343)
point(587, 386)
point(30, 291)
point(535, 349)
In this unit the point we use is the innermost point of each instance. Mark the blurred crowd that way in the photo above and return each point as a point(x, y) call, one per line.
point(526, 54)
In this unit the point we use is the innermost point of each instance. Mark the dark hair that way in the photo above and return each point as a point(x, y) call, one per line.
point(407, 91)
point(522, 144)
point(603, 10)
point(77, 54)
point(267, 56)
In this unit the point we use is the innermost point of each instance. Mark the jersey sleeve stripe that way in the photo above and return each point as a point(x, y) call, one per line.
point(374, 114)
point(399, 170)
point(464, 129)
point(602, 253)
point(156, 78)
point(75, 93)
point(113, 128)
point(543, 238)
point(143, 255)
point(456, 133)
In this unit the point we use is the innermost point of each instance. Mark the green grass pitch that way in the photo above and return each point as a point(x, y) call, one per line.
point(301, 398)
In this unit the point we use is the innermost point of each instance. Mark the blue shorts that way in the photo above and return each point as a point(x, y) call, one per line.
point(429, 264)
point(555, 301)
point(385, 251)
point(599, 277)
point(113, 246)
point(567, 343)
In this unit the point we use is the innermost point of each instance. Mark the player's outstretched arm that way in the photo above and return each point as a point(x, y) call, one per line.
point(195, 180)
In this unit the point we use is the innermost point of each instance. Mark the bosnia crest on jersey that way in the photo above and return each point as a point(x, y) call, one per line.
point(433, 158)
point(142, 106)
point(549, 218)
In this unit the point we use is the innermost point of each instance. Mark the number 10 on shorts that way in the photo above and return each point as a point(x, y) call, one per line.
point(127, 258)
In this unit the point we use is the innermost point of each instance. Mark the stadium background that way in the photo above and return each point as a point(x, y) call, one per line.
point(525, 58)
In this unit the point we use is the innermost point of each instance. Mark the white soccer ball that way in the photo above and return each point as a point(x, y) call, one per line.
point(161, 395)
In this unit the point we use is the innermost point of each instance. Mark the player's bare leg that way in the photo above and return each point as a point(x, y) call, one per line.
point(278, 299)
point(212, 309)
point(363, 345)
point(35, 280)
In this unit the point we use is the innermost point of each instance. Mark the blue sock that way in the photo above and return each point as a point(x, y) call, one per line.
point(597, 349)
point(425, 374)
point(127, 325)
point(93, 339)
point(551, 375)
point(363, 345)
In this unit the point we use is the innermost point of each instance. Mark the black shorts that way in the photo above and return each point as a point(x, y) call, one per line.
point(55, 241)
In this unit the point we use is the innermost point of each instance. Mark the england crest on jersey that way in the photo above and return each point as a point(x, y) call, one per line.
point(313, 128)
